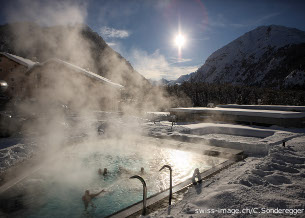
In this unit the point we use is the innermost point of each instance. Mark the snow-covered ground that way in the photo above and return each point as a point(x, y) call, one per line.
point(269, 186)
point(252, 140)
point(265, 107)
point(241, 112)
point(267, 180)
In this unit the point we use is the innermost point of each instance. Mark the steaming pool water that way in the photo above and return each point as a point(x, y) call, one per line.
point(56, 189)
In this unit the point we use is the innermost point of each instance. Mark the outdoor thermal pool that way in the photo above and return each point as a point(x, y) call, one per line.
point(56, 189)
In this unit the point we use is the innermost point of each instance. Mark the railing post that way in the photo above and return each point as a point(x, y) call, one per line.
point(170, 182)
point(173, 120)
point(144, 192)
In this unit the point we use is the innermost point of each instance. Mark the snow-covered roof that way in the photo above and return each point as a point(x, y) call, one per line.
point(28, 63)
point(86, 72)
point(23, 61)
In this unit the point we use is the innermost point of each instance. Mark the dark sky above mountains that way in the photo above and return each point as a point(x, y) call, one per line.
point(144, 31)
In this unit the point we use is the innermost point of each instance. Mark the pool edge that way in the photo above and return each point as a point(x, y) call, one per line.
point(137, 207)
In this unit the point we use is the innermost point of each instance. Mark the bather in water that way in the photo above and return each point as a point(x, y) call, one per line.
point(102, 173)
point(87, 198)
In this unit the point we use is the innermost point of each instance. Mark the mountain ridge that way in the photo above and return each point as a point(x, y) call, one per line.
point(268, 56)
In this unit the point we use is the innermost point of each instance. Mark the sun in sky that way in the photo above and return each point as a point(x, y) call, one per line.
point(179, 40)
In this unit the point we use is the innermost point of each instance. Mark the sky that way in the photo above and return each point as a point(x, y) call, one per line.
point(144, 31)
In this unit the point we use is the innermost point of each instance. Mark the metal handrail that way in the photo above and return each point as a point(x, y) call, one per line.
point(144, 191)
point(170, 182)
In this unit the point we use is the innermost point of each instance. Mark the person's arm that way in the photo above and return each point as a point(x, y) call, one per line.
point(85, 202)
point(94, 195)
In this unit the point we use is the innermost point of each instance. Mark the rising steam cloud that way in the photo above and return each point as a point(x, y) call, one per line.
point(59, 32)
point(55, 126)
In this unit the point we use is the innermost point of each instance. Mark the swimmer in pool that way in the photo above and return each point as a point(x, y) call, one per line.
point(87, 197)
point(104, 173)
point(142, 170)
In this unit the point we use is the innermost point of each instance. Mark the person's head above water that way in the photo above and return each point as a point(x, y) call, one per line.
point(142, 170)
point(105, 171)
point(87, 192)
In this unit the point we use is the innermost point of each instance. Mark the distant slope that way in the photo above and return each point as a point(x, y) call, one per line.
point(77, 44)
point(182, 78)
point(268, 56)
point(160, 82)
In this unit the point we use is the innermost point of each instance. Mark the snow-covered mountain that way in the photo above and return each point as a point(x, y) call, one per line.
point(268, 56)
point(160, 82)
point(182, 79)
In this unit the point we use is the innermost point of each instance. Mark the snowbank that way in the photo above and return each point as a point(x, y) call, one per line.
point(229, 129)
point(265, 107)
point(241, 112)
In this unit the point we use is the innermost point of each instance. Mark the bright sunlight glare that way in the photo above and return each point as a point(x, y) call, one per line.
point(180, 40)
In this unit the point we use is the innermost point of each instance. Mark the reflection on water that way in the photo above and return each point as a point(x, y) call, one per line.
point(62, 183)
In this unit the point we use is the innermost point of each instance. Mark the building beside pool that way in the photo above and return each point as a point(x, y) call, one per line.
point(12, 71)
point(57, 80)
